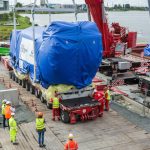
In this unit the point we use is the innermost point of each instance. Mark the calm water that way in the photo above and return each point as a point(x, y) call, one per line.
point(134, 20)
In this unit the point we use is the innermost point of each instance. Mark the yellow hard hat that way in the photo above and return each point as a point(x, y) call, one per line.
point(70, 136)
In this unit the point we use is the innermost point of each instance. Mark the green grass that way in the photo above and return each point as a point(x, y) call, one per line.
point(4, 51)
point(24, 22)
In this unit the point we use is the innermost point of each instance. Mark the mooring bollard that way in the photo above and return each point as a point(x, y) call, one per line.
point(32, 103)
point(36, 110)
point(9, 85)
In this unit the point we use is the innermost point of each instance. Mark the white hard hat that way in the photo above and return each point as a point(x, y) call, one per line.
point(5, 100)
point(12, 114)
point(70, 136)
point(12, 109)
point(8, 102)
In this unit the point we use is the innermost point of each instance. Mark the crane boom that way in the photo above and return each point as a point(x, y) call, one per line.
point(97, 11)
point(116, 38)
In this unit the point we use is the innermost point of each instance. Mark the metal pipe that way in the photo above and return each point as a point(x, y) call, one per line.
point(14, 19)
point(149, 6)
point(88, 12)
point(75, 10)
point(33, 38)
point(49, 11)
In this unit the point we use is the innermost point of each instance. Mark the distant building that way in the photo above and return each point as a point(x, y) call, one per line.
point(81, 7)
point(4, 5)
point(42, 2)
point(68, 6)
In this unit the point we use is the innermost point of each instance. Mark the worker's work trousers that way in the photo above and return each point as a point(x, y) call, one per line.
point(13, 134)
point(56, 113)
point(8, 123)
point(102, 108)
point(41, 137)
point(106, 105)
point(4, 121)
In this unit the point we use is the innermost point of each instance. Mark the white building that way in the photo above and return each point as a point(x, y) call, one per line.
point(4, 5)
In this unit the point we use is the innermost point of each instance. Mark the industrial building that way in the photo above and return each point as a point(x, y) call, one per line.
point(4, 5)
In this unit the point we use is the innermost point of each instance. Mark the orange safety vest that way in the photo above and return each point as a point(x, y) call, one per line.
point(71, 145)
point(7, 112)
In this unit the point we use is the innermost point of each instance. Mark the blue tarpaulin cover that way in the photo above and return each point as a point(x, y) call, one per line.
point(66, 53)
point(147, 50)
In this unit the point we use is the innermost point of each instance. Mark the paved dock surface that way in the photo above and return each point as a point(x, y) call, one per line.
point(111, 132)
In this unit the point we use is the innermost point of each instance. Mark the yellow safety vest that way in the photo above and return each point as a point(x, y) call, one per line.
point(40, 123)
point(55, 102)
point(12, 124)
point(108, 95)
point(3, 109)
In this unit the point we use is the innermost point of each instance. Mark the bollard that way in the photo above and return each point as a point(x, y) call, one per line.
point(32, 103)
point(36, 110)
point(9, 85)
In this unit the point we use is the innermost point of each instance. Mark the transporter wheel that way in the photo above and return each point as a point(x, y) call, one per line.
point(32, 89)
point(16, 79)
point(65, 116)
point(20, 82)
point(42, 99)
point(37, 93)
point(10, 75)
point(24, 83)
point(13, 77)
point(49, 105)
point(27, 86)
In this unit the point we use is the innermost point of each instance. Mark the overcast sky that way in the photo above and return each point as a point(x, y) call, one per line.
point(107, 2)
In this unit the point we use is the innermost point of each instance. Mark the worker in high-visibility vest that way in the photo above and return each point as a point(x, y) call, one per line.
point(3, 112)
point(55, 107)
point(40, 128)
point(107, 98)
point(8, 111)
point(13, 128)
point(71, 144)
point(99, 96)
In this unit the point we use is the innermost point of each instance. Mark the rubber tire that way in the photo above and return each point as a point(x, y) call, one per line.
point(13, 77)
point(10, 75)
point(49, 105)
point(27, 86)
point(64, 115)
point(16, 79)
point(24, 83)
point(42, 99)
point(20, 82)
point(37, 93)
point(32, 89)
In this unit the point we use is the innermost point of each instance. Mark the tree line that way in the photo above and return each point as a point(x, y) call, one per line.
point(126, 7)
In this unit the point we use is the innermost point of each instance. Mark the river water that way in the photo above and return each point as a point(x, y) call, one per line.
point(134, 20)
